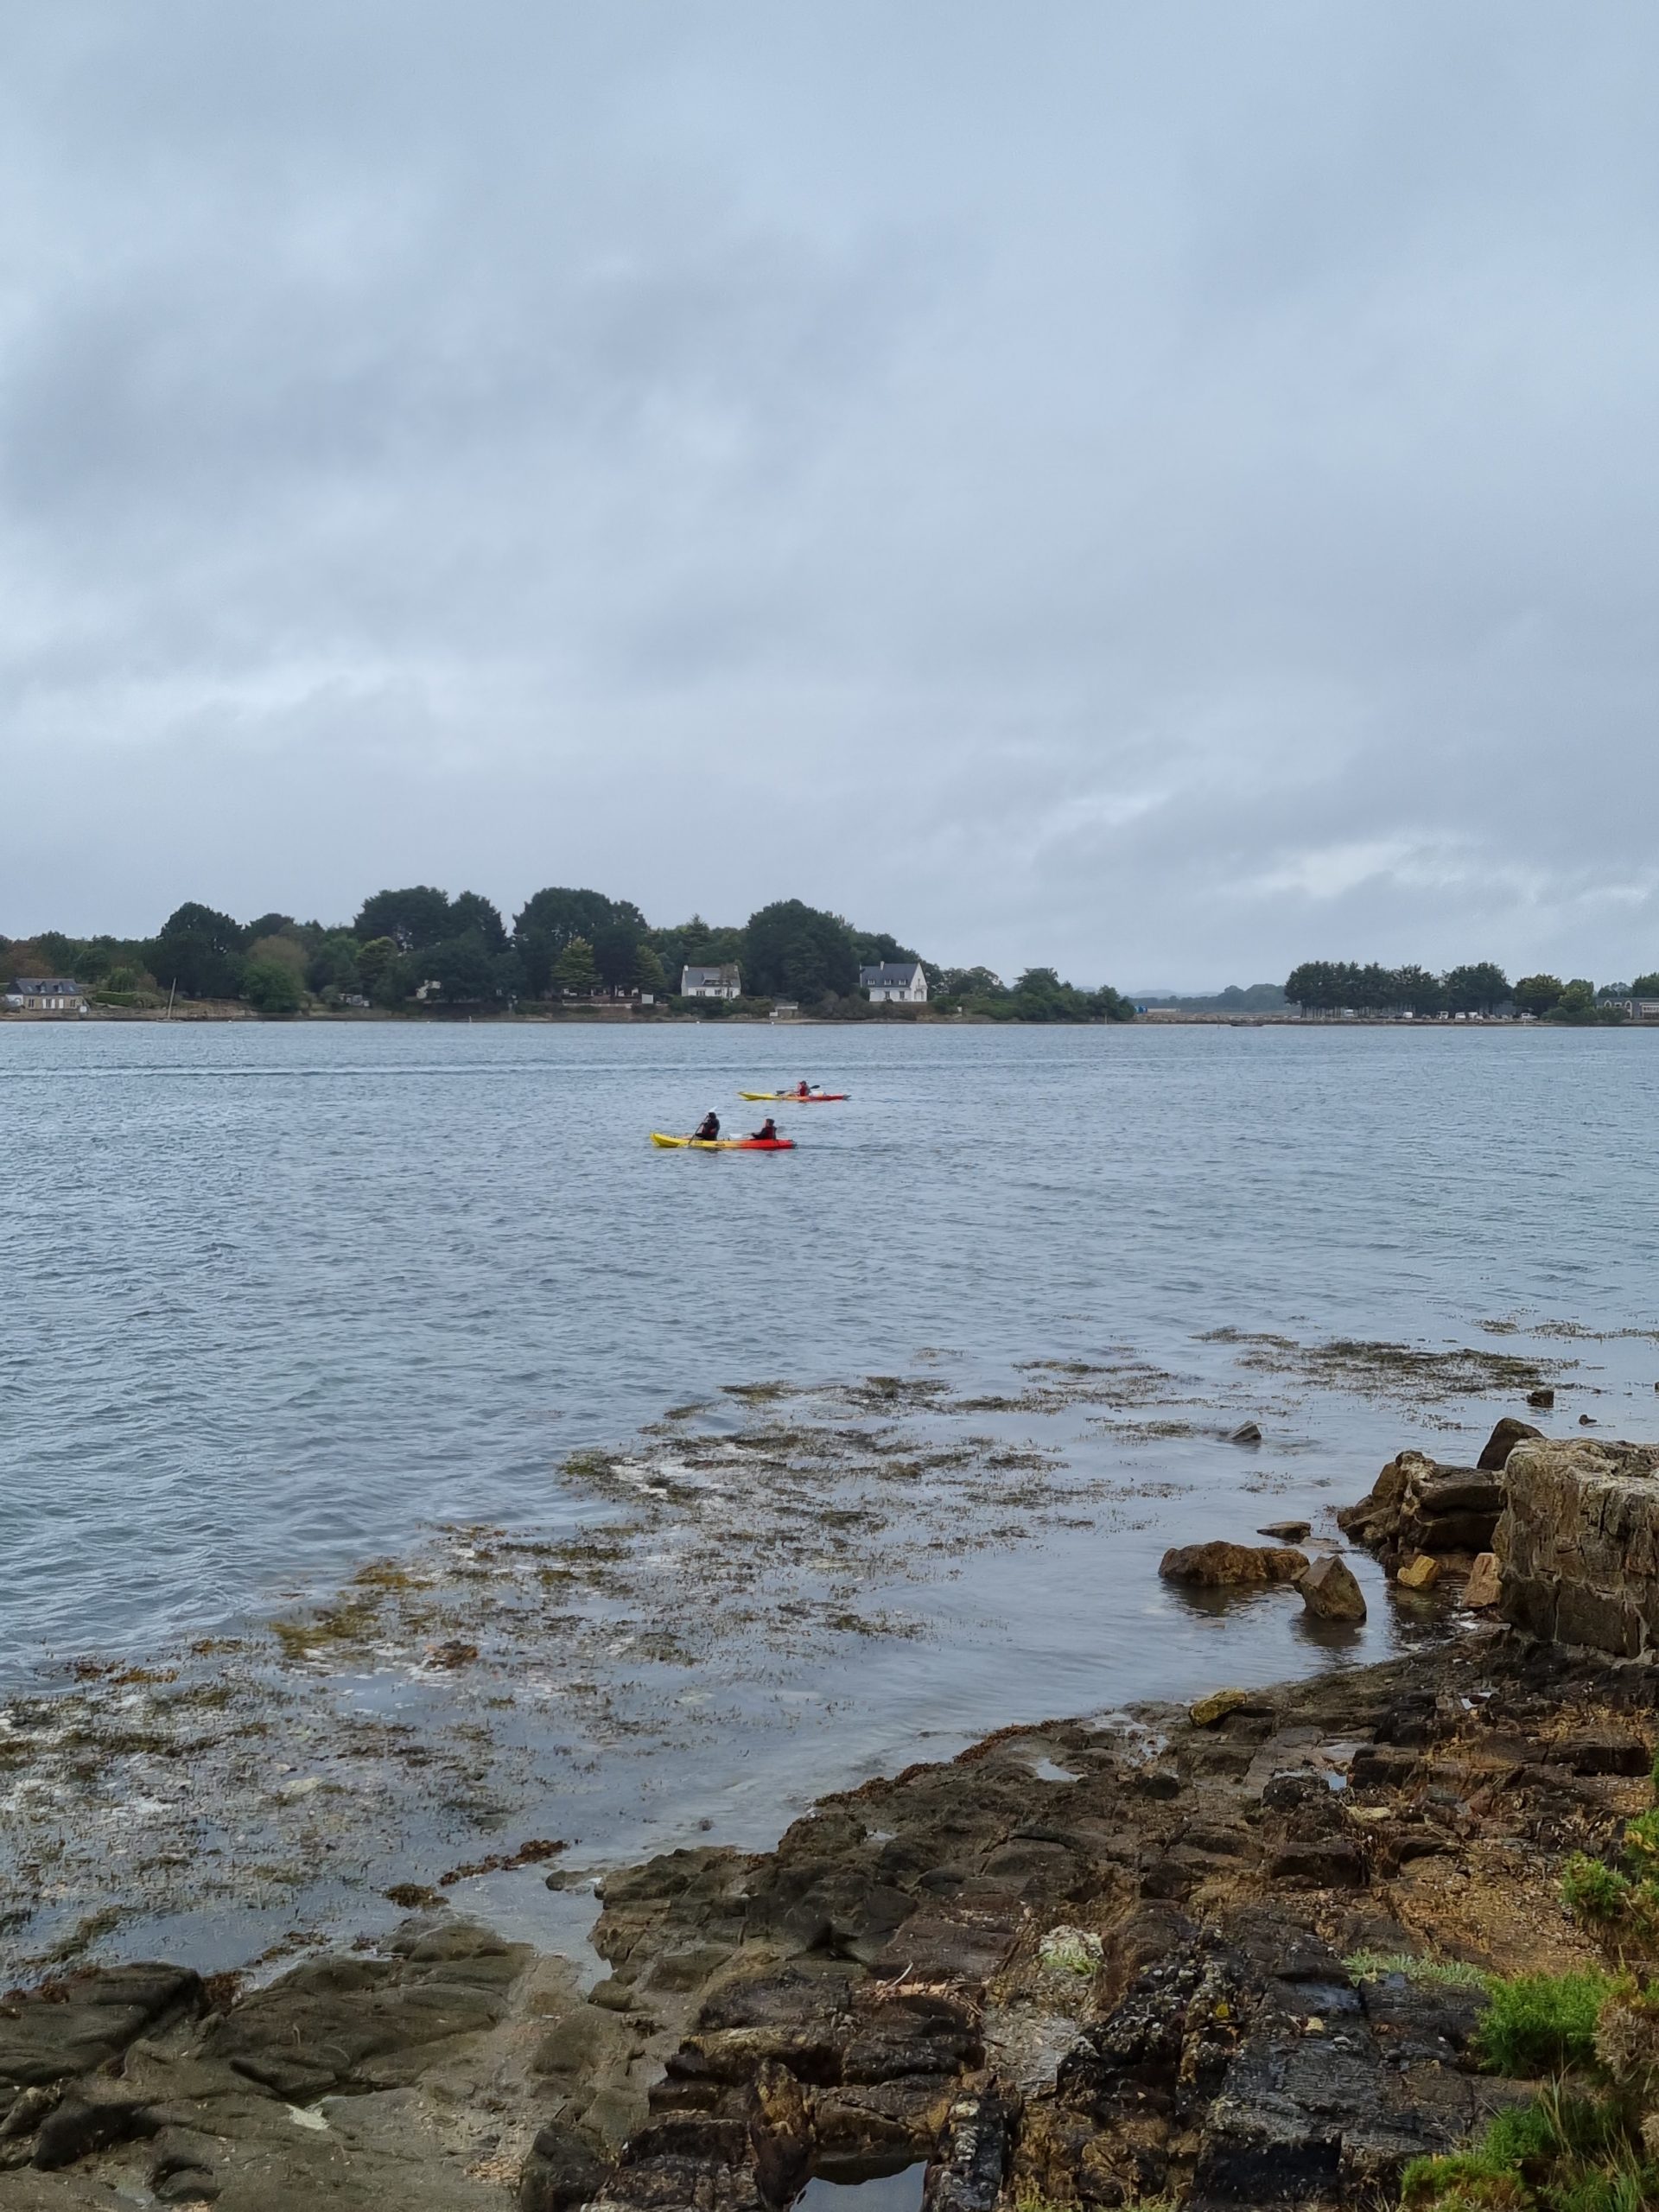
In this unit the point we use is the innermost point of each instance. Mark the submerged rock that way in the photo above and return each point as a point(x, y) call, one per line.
point(1330, 1590)
point(1223, 1566)
point(1287, 1532)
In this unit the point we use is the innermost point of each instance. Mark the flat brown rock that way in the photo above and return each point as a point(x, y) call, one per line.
point(1223, 1566)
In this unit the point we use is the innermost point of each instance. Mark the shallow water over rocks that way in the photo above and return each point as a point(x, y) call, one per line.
point(423, 1467)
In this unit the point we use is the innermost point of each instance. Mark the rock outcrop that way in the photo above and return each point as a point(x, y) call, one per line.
point(1579, 1545)
point(1420, 1504)
point(1226, 1566)
point(1090, 1963)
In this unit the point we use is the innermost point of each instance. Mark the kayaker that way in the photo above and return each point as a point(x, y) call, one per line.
point(803, 1089)
point(766, 1134)
point(707, 1130)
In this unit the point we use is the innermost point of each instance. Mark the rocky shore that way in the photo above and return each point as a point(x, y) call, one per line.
point(1235, 1954)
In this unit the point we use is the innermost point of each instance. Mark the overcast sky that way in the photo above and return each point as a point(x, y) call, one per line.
point(1164, 490)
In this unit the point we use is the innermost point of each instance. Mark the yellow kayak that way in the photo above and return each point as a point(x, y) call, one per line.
point(795, 1098)
point(725, 1144)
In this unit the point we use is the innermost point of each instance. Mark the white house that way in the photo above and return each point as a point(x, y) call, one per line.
point(722, 982)
point(901, 982)
point(47, 995)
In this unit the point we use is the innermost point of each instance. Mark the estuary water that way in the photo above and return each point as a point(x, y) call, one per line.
point(286, 1298)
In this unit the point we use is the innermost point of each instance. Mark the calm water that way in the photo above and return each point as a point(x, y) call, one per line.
point(283, 1299)
point(281, 1296)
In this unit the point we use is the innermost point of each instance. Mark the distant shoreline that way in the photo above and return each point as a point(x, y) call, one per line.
point(625, 1016)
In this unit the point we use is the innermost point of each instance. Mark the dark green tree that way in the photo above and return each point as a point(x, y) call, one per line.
point(796, 951)
point(547, 922)
point(471, 914)
point(616, 950)
point(1536, 994)
point(412, 918)
point(648, 974)
point(333, 965)
point(1419, 993)
point(464, 968)
point(1645, 987)
point(198, 951)
point(272, 986)
point(1478, 989)
point(385, 972)
point(965, 984)
point(1320, 986)
point(871, 947)
point(696, 941)
point(574, 971)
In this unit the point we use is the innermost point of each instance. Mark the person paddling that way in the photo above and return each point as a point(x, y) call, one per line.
point(766, 1134)
point(707, 1130)
point(803, 1089)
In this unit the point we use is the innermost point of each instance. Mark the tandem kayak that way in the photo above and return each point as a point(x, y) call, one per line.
point(725, 1144)
point(794, 1097)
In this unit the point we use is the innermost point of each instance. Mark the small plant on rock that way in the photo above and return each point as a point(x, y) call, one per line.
point(1593, 1889)
point(1070, 1950)
point(1541, 2023)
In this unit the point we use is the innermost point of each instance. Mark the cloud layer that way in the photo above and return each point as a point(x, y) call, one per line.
point(1165, 490)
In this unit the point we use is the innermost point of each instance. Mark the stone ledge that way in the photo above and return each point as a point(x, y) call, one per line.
point(1578, 1545)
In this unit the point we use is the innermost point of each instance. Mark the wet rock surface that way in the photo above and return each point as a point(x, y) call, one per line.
point(1222, 1566)
point(1093, 1961)
point(1330, 1592)
point(1420, 1505)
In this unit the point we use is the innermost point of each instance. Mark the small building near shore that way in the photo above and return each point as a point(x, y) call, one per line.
point(45, 994)
point(897, 982)
point(724, 982)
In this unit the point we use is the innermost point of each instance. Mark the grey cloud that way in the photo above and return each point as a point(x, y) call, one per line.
point(1165, 491)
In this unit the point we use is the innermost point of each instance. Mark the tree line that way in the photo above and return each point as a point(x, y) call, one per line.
point(1344, 986)
point(422, 945)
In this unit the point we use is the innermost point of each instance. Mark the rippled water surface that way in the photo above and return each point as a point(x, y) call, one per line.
point(283, 1298)
point(279, 1296)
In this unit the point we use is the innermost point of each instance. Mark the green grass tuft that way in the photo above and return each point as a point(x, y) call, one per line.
point(1593, 1889)
point(1377, 1966)
point(1541, 2023)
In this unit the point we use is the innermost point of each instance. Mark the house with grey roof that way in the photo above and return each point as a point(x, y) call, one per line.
point(898, 983)
point(722, 982)
point(45, 994)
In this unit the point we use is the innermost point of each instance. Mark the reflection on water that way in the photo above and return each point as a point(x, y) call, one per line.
point(894, 2192)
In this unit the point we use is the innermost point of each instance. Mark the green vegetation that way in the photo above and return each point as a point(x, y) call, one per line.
point(1451, 1974)
point(1587, 2143)
point(1340, 985)
point(1593, 1889)
point(419, 946)
point(1337, 986)
point(1576, 2139)
point(1541, 2023)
